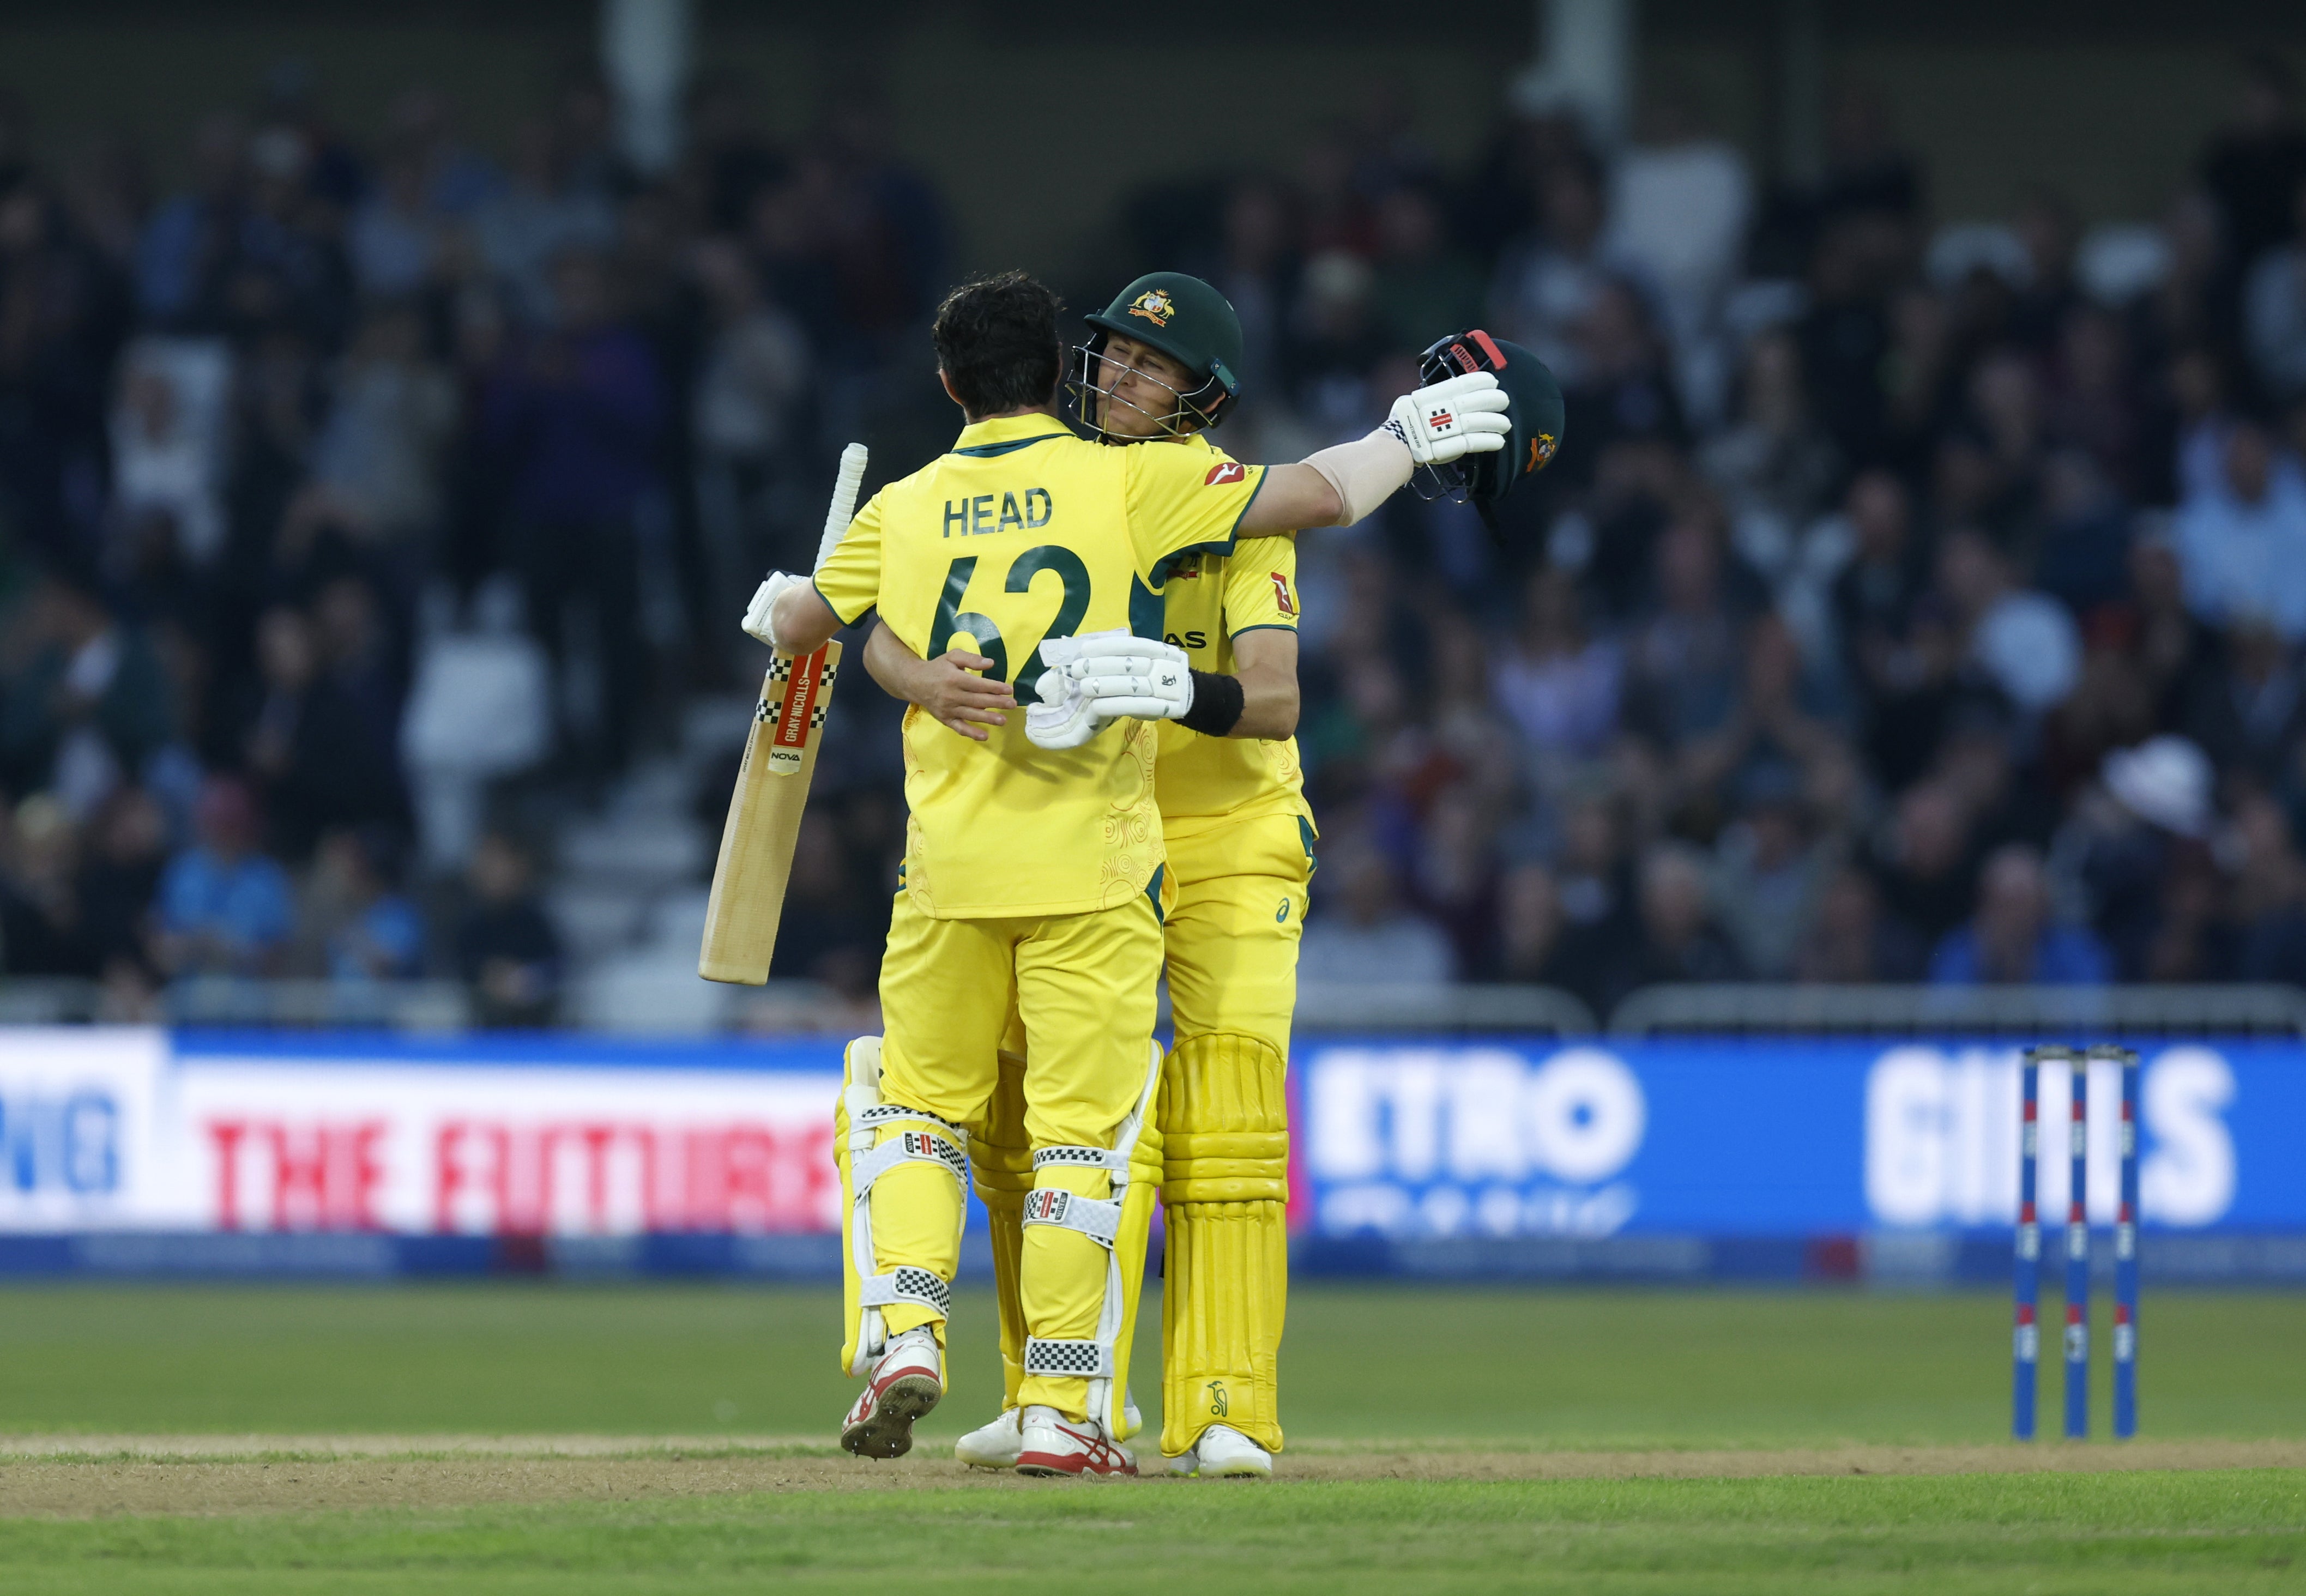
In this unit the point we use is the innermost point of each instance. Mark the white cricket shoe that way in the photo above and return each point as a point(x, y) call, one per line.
point(993, 1445)
point(1223, 1453)
point(1050, 1444)
point(905, 1383)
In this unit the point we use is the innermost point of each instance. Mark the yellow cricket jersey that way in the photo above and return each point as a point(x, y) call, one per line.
point(1024, 533)
point(1206, 781)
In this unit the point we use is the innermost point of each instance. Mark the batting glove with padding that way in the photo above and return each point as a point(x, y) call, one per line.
point(1461, 416)
point(1064, 718)
point(1124, 675)
point(757, 622)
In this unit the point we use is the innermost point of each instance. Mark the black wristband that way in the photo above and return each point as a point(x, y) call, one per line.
point(1218, 704)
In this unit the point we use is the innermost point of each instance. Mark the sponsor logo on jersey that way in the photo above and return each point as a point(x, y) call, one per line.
point(1224, 472)
point(1154, 306)
point(1281, 593)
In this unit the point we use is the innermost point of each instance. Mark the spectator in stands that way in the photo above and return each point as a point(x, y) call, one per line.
point(317, 750)
point(457, 179)
point(282, 264)
point(43, 929)
point(2083, 558)
point(1923, 862)
point(2130, 840)
point(2012, 938)
point(378, 454)
point(68, 308)
point(1770, 723)
point(540, 214)
point(754, 374)
point(1549, 280)
point(2270, 895)
point(2274, 308)
point(1623, 391)
point(367, 930)
point(1853, 940)
point(1769, 871)
point(578, 421)
point(2241, 540)
point(827, 932)
point(2247, 713)
point(88, 703)
point(2173, 650)
point(1682, 660)
point(1681, 939)
point(2026, 643)
point(167, 435)
point(1774, 466)
point(1422, 284)
point(1560, 685)
point(176, 250)
point(1530, 927)
point(1875, 602)
point(127, 849)
point(224, 908)
point(395, 237)
point(507, 950)
point(1360, 936)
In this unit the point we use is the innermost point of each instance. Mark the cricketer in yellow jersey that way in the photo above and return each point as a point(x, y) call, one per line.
point(1033, 874)
point(1239, 838)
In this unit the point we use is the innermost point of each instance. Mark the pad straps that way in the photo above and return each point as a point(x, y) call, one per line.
point(1098, 1219)
point(914, 1146)
point(906, 1283)
point(1083, 1360)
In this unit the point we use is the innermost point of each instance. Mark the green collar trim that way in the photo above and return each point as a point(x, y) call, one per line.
point(986, 451)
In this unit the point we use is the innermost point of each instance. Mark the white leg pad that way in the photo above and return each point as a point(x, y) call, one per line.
point(946, 1147)
point(1102, 1221)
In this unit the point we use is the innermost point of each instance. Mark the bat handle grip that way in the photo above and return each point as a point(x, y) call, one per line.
point(846, 485)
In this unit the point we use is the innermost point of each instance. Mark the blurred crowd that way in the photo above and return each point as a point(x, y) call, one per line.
point(1910, 601)
point(362, 503)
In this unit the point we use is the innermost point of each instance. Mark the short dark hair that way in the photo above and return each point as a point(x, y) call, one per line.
point(996, 339)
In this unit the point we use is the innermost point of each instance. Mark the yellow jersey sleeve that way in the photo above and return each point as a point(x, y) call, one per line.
point(850, 581)
point(1260, 585)
point(1181, 499)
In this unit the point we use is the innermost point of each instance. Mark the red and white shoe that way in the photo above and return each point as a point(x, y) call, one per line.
point(1051, 1444)
point(907, 1382)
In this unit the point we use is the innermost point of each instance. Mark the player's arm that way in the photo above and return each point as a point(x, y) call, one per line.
point(949, 687)
point(1265, 664)
point(797, 615)
point(1339, 485)
point(800, 621)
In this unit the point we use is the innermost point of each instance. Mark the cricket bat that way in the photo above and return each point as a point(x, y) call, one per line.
point(756, 843)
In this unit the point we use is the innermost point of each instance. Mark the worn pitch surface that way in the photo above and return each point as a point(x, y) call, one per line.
point(97, 1475)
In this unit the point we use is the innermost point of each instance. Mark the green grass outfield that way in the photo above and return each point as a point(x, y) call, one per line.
point(1397, 1367)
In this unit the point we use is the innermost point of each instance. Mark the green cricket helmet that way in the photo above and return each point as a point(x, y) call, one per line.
point(1186, 319)
point(1536, 414)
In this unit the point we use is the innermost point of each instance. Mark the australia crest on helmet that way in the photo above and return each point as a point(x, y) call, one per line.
point(1154, 305)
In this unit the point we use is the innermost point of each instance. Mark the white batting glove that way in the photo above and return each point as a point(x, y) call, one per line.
point(758, 616)
point(1464, 415)
point(1063, 718)
point(1121, 675)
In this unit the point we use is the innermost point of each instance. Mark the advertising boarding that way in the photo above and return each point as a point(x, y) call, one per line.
point(1444, 1155)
